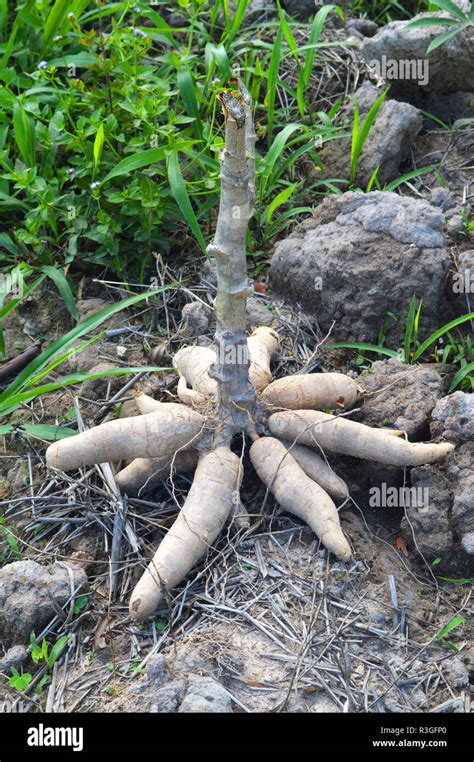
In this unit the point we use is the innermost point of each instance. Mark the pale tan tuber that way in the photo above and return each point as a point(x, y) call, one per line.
point(299, 494)
point(262, 345)
point(215, 489)
point(338, 434)
point(313, 391)
point(146, 473)
point(195, 384)
point(318, 470)
point(153, 435)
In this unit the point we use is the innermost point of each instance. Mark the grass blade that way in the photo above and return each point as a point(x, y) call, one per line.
point(466, 370)
point(272, 80)
point(180, 193)
point(441, 39)
point(409, 329)
point(363, 348)
point(187, 88)
point(24, 132)
point(449, 7)
point(87, 325)
point(440, 332)
point(54, 21)
point(62, 284)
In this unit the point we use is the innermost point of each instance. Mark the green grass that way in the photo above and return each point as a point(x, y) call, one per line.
point(457, 350)
point(110, 128)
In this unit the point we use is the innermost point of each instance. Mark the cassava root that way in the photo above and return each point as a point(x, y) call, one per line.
point(214, 490)
point(145, 436)
point(312, 391)
point(299, 494)
point(338, 434)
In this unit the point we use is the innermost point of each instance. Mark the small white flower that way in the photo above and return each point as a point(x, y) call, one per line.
point(58, 37)
point(139, 33)
point(71, 15)
point(94, 185)
point(42, 65)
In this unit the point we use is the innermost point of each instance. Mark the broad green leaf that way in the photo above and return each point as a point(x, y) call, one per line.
point(15, 400)
point(409, 328)
point(56, 650)
point(431, 21)
point(276, 149)
point(137, 161)
point(188, 89)
point(98, 145)
point(408, 176)
point(81, 60)
point(272, 80)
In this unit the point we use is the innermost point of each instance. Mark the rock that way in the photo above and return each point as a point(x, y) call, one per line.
point(387, 147)
point(14, 657)
point(258, 313)
point(453, 418)
point(456, 673)
point(156, 669)
point(324, 704)
point(447, 106)
point(96, 388)
point(460, 471)
point(398, 55)
point(196, 317)
point(364, 27)
point(168, 698)
point(87, 307)
point(205, 695)
point(300, 9)
point(360, 254)
point(259, 10)
point(429, 521)
point(400, 396)
point(467, 543)
point(29, 596)
point(442, 197)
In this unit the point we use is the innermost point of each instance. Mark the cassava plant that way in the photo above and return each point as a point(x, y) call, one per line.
point(226, 392)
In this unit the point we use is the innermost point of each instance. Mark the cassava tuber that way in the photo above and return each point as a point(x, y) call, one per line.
point(338, 434)
point(318, 470)
point(262, 345)
point(195, 384)
point(312, 391)
point(143, 474)
point(214, 490)
point(144, 436)
point(299, 494)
